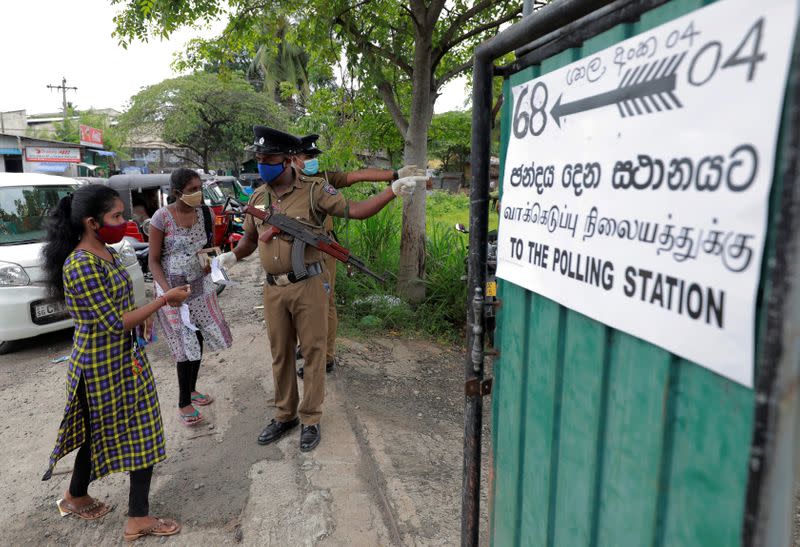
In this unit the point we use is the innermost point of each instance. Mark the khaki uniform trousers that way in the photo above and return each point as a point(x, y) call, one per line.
point(298, 311)
point(333, 318)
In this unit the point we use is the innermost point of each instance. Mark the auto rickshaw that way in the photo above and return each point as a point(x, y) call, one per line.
point(231, 187)
point(250, 181)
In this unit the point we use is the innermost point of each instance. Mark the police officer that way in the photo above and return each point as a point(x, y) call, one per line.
point(297, 309)
point(308, 163)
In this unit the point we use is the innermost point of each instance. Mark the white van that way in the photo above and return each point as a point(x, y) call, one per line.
point(25, 309)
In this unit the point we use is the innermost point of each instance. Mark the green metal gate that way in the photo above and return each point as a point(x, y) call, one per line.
point(600, 438)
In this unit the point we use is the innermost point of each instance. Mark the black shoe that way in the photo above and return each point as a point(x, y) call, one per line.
point(309, 437)
point(328, 368)
point(275, 430)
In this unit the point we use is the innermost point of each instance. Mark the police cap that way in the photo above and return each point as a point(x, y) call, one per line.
point(310, 145)
point(267, 140)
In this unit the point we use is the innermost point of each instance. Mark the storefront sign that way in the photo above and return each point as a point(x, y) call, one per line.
point(91, 136)
point(636, 180)
point(39, 153)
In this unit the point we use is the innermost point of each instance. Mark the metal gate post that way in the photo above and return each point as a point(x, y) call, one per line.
point(478, 226)
point(774, 451)
point(547, 20)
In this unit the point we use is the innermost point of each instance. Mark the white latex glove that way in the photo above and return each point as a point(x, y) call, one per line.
point(404, 187)
point(410, 171)
point(227, 260)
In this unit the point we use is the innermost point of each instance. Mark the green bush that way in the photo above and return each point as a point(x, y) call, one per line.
point(364, 305)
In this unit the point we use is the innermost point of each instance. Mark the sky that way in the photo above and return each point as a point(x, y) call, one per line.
point(72, 39)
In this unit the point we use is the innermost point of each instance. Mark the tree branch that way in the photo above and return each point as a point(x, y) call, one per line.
point(456, 71)
point(412, 15)
point(448, 35)
point(419, 9)
point(385, 89)
point(434, 11)
point(351, 8)
point(190, 160)
point(362, 39)
point(474, 32)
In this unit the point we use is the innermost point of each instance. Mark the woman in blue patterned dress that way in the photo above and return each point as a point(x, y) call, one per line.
point(177, 234)
point(112, 415)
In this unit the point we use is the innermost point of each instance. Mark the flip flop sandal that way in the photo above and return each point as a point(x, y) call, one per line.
point(84, 513)
point(154, 530)
point(190, 420)
point(203, 399)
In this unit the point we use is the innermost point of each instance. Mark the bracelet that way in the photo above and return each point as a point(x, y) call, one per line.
point(162, 300)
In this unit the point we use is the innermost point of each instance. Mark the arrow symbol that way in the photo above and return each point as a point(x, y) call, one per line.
point(651, 82)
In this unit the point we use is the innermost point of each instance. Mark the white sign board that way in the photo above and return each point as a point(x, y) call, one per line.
point(45, 153)
point(636, 180)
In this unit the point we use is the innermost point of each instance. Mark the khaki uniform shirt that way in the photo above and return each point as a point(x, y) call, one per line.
point(337, 179)
point(276, 255)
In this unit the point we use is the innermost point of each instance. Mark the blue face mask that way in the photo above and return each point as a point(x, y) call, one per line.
point(312, 167)
point(270, 171)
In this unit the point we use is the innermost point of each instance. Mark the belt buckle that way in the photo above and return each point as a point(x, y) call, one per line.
point(281, 280)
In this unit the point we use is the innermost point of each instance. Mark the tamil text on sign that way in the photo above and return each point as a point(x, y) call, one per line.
point(636, 180)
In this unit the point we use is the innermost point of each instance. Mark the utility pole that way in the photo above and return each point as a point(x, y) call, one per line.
point(63, 87)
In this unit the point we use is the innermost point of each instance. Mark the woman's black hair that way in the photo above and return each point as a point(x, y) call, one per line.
point(181, 177)
point(65, 229)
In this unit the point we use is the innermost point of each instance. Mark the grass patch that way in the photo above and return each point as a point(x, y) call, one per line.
point(366, 307)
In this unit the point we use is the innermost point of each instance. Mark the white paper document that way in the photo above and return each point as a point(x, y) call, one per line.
point(186, 319)
point(218, 274)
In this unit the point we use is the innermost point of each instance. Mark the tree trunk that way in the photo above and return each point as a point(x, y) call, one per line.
point(411, 273)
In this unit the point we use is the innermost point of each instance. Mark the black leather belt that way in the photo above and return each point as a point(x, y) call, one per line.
point(289, 278)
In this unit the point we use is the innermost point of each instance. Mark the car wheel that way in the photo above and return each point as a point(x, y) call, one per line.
point(6, 347)
point(220, 288)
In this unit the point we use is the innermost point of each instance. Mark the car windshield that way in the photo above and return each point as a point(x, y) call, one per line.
point(23, 210)
point(228, 189)
point(213, 194)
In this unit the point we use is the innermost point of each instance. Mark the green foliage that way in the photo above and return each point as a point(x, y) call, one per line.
point(141, 19)
point(376, 240)
point(209, 114)
point(349, 123)
point(114, 136)
point(377, 41)
point(449, 139)
point(67, 131)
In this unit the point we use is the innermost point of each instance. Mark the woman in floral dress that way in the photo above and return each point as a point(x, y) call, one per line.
point(177, 234)
point(112, 414)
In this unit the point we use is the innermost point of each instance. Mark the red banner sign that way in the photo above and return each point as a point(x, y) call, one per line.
point(91, 136)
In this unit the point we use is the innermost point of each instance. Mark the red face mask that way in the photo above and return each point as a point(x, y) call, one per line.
point(111, 234)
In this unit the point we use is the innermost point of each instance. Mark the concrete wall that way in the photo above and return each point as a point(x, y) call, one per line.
point(14, 122)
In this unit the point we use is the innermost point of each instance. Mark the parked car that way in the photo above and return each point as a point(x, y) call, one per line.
point(26, 310)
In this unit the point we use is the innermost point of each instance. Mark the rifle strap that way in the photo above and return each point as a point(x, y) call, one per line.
point(207, 223)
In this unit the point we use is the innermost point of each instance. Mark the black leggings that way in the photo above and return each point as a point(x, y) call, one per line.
point(187, 377)
point(138, 502)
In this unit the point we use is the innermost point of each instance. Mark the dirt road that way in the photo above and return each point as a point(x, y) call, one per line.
point(388, 470)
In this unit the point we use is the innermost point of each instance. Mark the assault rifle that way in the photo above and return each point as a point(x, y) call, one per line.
point(303, 236)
